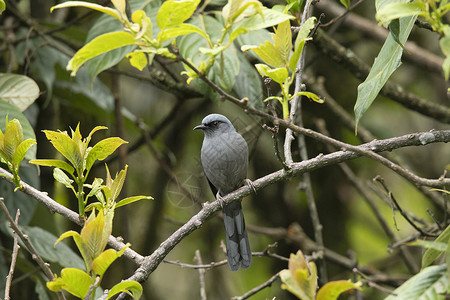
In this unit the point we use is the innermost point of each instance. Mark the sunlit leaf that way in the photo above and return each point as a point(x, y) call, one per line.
point(173, 13)
point(102, 262)
point(99, 45)
point(130, 200)
point(138, 60)
point(332, 289)
point(102, 150)
point(110, 11)
point(132, 288)
point(66, 146)
point(278, 75)
point(75, 281)
point(54, 163)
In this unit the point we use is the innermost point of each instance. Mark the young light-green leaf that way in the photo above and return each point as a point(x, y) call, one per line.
point(398, 10)
point(21, 151)
point(332, 289)
point(138, 60)
point(385, 64)
point(99, 45)
point(54, 163)
point(110, 11)
point(102, 150)
point(132, 288)
point(283, 41)
point(62, 177)
point(268, 53)
point(66, 146)
point(130, 200)
point(278, 75)
point(173, 13)
point(104, 260)
point(75, 281)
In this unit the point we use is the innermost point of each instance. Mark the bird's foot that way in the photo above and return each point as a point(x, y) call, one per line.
point(219, 198)
point(250, 185)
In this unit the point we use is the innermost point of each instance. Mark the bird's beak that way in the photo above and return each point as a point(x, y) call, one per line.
point(200, 127)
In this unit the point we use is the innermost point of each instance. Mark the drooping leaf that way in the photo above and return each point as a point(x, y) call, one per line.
point(62, 177)
point(110, 11)
point(398, 10)
point(138, 60)
point(132, 199)
point(278, 75)
point(99, 45)
point(54, 163)
point(385, 64)
point(22, 151)
point(132, 288)
point(332, 289)
point(76, 282)
point(104, 61)
point(268, 53)
point(19, 90)
point(102, 262)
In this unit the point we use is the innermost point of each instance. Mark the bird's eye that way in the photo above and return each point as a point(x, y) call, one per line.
point(215, 123)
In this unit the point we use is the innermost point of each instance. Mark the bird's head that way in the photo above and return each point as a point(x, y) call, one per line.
point(214, 124)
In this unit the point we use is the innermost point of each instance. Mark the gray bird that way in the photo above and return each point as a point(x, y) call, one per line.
point(224, 158)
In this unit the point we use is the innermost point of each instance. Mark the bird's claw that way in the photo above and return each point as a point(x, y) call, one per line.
point(220, 199)
point(250, 185)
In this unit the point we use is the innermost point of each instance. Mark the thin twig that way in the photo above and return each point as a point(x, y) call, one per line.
point(398, 207)
point(25, 239)
point(258, 288)
point(15, 251)
point(201, 275)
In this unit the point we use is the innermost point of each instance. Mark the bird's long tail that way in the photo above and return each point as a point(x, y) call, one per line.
point(238, 247)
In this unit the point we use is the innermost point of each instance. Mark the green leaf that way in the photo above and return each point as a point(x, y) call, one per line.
point(102, 150)
point(92, 236)
point(173, 13)
point(138, 60)
point(21, 151)
point(300, 41)
point(76, 282)
point(117, 184)
point(77, 239)
point(268, 53)
point(62, 177)
point(66, 146)
point(278, 75)
point(130, 200)
point(444, 43)
point(18, 90)
point(283, 41)
point(431, 254)
point(430, 283)
point(271, 17)
point(309, 95)
point(96, 65)
point(180, 30)
point(385, 64)
point(2, 6)
point(11, 139)
point(104, 260)
point(99, 45)
point(248, 84)
point(10, 110)
point(394, 11)
point(110, 11)
point(332, 289)
point(54, 163)
point(132, 288)
point(346, 3)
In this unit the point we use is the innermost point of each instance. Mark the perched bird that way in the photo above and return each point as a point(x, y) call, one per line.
point(224, 157)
